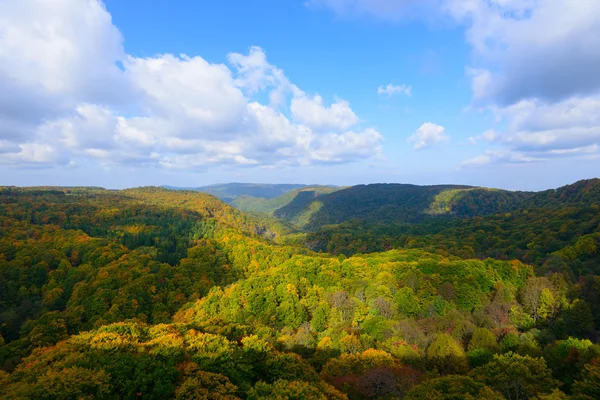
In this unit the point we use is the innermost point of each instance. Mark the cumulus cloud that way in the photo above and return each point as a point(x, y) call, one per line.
point(543, 130)
point(76, 95)
point(311, 112)
point(391, 90)
point(53, 56)
point(521, 58)
point(541, 83)
point(428, 135)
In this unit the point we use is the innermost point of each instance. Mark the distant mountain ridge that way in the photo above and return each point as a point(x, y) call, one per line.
point(556, 230)
point(231, 191)
point(313, 207)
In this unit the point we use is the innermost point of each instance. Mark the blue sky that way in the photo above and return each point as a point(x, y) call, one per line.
point(129, 93)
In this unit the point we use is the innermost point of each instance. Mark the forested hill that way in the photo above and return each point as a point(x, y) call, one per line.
point(555, 230)
point(313, 207)
point(310, 208)
point(159, 294)
point(581, 193)
point(77, 258)
point(291, 206)
point(231, 191)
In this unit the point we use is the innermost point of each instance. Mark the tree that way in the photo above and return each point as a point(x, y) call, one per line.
point(588, 387)
point(567, 357)
point(350, 344)
point(370, 374)
point(446, 354)
point(516, 377)
point(320, 317)
point(407, 302)
point(483, 338)
point(554, 395)
point(206, 386)
point(71, 383)
point(537, 298)
point(579, 319)
point(294, 390)
point(453, 387)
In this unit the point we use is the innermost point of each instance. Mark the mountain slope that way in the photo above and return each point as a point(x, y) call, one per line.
point(282, 205)
point(582, 193)
point(396, 202)
point(555, 230)
point(72, 259)
point(400, 203)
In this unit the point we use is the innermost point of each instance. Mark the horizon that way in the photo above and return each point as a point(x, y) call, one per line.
point(171, 187)
point(345, 91)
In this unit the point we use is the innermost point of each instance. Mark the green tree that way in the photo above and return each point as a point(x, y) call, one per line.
point(579, 319)
point(588, 386)
point(320, 317)
point(407, 302)
point(516, 377)
point(453, 387)
point(567, 357)
point(537, 298)
point(206, 386)
point(446, 354)
point(294, 390)
point(483, 338)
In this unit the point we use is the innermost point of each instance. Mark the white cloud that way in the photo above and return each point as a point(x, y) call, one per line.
point(76, 96)
point(428, 135)
point(344, 146)
point(29, 155)
point(312, 113)
point(53, 56)
point(521, 58)
point(391, 90)
point(196, 97)
point(65, 47)
point(541, 83)
point(570, 128)
point(489, 136)
point(498, 157)
point(543, 131)
point(255, 74)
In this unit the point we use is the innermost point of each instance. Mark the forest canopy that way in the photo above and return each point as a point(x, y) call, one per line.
point(156, 293)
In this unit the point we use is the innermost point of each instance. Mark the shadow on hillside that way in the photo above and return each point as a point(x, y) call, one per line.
point(377, 202)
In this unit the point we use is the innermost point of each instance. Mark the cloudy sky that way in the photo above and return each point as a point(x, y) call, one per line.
point(501, 93)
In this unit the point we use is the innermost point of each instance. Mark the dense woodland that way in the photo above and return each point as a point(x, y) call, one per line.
point(370, 292)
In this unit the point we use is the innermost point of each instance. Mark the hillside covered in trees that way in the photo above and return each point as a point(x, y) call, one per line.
point(311, 208)
point(555, 230)
point(390, 292)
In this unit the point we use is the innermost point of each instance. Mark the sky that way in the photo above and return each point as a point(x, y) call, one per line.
point(496, 93)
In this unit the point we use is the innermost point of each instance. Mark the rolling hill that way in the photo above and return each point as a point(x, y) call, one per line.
point(163, 294)
point(313, 207)
point(290, 203)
